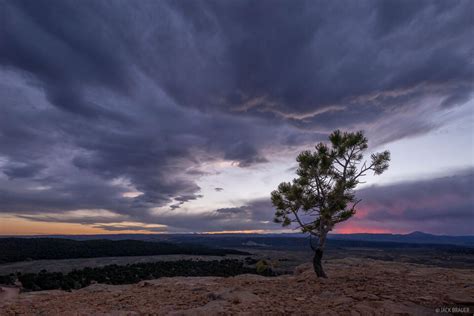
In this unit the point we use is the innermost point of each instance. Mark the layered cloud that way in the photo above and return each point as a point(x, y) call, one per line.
point(117, 106)
point(442, 205)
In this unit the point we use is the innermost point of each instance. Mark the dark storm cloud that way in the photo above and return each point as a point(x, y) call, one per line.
point(57, 196)
point(103, 98)
point(66, 46)
point(18, 170)
point(269, 57)
point(244, 153)
point(441, 205)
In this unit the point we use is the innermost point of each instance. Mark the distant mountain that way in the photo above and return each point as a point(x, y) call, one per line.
point(414, 237)
point(231, 240)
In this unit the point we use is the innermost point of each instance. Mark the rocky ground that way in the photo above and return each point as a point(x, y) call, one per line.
point(355, 287)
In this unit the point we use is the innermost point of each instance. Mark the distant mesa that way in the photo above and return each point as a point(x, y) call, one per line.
point(252, 243)
point(415, 237)
point(419, 234)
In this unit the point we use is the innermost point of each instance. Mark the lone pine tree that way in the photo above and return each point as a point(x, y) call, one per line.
point(323, 193)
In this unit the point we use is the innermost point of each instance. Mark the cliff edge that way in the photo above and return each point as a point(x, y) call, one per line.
point(354, 287)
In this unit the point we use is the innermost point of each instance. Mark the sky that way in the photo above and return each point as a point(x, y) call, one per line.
point(182, 116)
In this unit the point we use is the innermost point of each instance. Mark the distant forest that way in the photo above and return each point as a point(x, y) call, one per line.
point(127, 274)
point(21, 249)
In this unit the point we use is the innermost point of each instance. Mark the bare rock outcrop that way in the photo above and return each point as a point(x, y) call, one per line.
point(354, 287)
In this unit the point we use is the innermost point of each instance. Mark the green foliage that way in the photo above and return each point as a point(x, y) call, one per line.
point(128, 274)
point(323, 193)
point(264, 267)
point(7, 279)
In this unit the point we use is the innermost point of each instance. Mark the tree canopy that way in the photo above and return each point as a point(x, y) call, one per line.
point(323, 194)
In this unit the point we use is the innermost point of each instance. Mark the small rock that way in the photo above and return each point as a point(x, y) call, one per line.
point(213, 296)
point(327, 294)
point(144, 284)
point(373, 297)
point(302, 268)
point(343, 300)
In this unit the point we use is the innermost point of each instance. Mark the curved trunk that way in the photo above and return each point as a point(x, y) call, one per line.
point(317, 264)
point(318, 256)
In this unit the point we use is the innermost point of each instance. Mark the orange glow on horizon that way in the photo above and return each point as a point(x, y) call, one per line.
point(21, 227)
point(10, 225)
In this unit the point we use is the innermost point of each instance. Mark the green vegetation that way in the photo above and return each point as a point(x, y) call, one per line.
point(323, 195)
point(265, 267)
point(127, 274)
point(21, 249)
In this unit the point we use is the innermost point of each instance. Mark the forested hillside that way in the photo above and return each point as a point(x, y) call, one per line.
point(20, 249)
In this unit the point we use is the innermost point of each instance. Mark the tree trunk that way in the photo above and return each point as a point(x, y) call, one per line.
point(318, 256)
point(317, 264)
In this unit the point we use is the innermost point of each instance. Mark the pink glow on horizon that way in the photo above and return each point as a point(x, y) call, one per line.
point(353, 229)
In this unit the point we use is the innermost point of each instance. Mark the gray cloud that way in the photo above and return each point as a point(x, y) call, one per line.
point(97, 102)
point(440, 205)
point(18, 170)
point(119, 228)
point(255, 215)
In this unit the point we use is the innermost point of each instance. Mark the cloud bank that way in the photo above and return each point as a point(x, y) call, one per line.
point(116, 106)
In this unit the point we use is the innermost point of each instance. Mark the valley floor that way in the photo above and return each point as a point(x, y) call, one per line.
point(354, 287)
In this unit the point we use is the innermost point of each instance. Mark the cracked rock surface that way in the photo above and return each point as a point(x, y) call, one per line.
point(354, 287)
